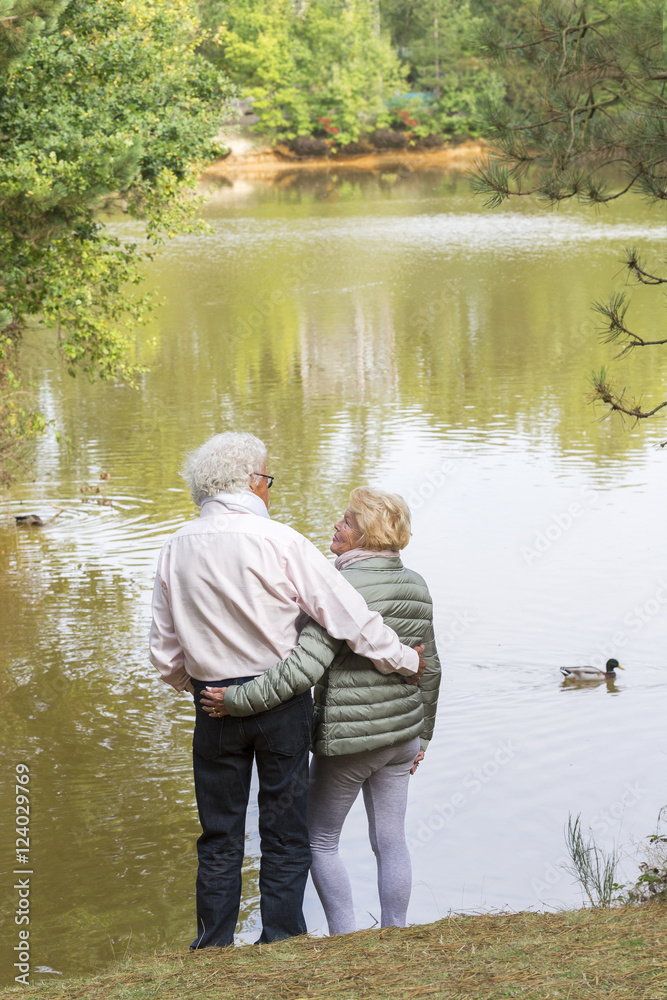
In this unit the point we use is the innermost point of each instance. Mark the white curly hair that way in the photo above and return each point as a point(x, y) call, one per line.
point(224, 464)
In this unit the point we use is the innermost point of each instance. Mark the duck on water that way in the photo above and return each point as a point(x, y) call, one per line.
point(29, 519)
point(592, 673)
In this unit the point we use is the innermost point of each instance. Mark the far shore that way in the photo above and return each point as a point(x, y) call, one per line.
point(253, 161)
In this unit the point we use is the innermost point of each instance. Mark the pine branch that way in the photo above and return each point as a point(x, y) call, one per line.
point(614, 312)
point(634, 264)
point(604, 391)
point(493, 180)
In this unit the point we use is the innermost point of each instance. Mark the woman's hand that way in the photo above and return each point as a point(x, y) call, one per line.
point(418, 758)
point(414, 680)
point(213, 702)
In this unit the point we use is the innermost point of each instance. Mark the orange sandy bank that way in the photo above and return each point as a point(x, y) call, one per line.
point(267, 164)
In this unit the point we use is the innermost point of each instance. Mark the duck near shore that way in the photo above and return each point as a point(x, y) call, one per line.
point(34, 520)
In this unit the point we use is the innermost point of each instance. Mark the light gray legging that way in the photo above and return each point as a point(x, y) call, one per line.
point(383, 775)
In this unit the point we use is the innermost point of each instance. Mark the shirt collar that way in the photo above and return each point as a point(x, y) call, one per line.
point(246, 501)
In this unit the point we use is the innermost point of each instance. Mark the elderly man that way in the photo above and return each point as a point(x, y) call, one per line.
point(230, 589)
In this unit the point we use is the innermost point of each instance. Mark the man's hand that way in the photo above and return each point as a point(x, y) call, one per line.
point(418, 759)
point(414, 679)
point(213, 702)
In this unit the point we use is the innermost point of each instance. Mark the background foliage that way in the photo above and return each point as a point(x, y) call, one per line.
point(439, 45)
point(596, 130)
point(305, 62)
point(345, 68)
point(107, 99)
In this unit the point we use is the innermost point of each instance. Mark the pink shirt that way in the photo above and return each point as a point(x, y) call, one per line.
point(230, 588)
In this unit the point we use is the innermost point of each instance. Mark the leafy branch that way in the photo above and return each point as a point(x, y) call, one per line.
point(104, 105)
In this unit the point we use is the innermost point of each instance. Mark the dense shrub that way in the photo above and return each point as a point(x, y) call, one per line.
point(309, 146)
point(388, 139)
point(360, 148)
point(652, 883)
point(429, 142)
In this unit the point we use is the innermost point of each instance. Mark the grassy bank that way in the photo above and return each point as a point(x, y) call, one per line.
point(583, 955)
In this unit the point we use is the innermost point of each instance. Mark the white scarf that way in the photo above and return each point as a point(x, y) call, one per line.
point(356, 555)
point(245, 501)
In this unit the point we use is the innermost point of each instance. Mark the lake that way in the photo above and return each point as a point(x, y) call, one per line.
point(371, 329)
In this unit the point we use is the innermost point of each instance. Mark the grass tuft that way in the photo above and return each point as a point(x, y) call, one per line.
point(595, 870)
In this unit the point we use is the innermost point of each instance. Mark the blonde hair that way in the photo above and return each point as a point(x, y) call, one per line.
point(384, 518)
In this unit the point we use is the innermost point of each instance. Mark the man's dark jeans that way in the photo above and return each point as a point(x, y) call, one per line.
point(223, 753)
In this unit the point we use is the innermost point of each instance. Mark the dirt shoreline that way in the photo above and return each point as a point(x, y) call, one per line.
point(269, 164)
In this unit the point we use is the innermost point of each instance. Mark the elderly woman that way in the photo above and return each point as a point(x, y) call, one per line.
point(371, 728)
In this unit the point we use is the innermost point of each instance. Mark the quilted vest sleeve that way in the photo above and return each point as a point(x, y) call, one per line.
point(295, 674)
point(429, 685)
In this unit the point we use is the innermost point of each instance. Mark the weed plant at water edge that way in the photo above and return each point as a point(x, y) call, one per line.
point(595, 870)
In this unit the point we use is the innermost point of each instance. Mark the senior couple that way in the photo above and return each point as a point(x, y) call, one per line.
point(248, 616)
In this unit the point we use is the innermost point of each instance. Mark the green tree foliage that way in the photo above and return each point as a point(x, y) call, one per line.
point(598, 132)
point(439, 43)
point(113, 102)
point(21, 22)
point(521, 78)
point(312, 66)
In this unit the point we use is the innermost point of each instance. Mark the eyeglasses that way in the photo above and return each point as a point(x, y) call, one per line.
point(264, 476)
